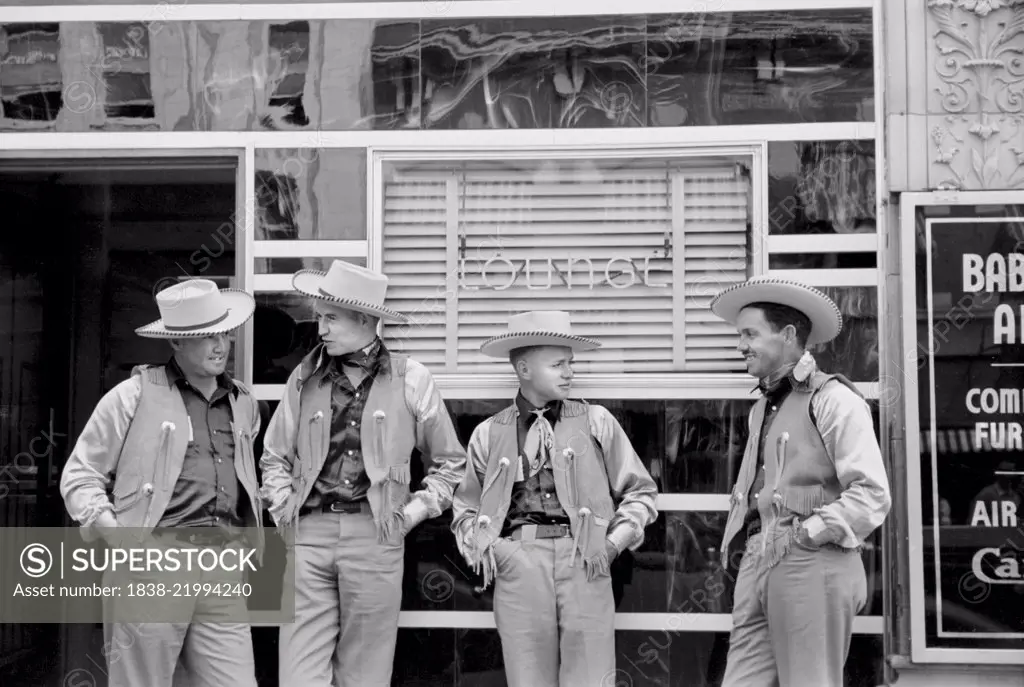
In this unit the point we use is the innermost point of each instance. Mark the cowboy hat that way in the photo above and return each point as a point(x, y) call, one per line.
point(197, 307)
point(537, 328)
point(826, 320)
point(341, 285)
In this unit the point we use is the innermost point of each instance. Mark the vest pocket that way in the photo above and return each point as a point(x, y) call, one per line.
point(803, 499)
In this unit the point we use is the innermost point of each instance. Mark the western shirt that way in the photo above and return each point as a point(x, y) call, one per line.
point(207, 490)
point(534, 501)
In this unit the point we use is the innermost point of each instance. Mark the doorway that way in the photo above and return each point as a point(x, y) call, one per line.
point(85, 246)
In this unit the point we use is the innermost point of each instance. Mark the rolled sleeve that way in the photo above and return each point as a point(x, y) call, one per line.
point(443, 454)
point(632, 486)
point(844, 421)
point(466, 501)
point(279, 449)
point(90, 468)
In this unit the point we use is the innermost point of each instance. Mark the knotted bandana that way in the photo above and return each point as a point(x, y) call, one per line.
point(540, 439)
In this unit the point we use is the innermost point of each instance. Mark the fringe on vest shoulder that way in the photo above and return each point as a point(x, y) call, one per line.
point(156, 375)
point(572, 408)
point(506, 416)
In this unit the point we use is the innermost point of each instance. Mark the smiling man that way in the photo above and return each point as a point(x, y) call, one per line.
point(812, 487)
point(554, 492)
point(337, 464)
point(173, 444)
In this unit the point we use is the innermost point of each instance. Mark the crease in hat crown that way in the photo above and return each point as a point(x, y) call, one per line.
point(825, 316)
point(537, 328)
point(192, 303)
point(198, 307)
point(349, 286)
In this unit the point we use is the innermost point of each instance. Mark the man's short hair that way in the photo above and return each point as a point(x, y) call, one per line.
point(517, 354)
point(780, 316)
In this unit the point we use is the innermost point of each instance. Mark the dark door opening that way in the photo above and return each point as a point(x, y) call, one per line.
point(85, 246)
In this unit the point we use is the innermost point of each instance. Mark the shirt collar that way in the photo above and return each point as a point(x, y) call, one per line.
point(379, 361)
point(175, 376)
point(795, 376)
point(552, 411)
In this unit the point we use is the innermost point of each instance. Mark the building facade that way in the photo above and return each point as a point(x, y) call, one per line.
point(622, 161)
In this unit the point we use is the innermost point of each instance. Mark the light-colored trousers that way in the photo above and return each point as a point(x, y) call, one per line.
point(348, 594)
point(556, 628)
point(792, 624)
point(185, 638)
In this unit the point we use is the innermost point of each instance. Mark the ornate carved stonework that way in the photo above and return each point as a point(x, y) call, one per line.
point(976, 99)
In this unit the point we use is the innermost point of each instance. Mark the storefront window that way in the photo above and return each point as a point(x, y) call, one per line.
point(526, 73)
point(635, 248)
point(310, 193)
point(966, 378)
point(285, 330)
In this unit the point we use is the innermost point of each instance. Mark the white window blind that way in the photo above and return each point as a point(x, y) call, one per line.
point(634, 249)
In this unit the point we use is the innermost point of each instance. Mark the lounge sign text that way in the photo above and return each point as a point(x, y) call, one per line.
point(537, 274)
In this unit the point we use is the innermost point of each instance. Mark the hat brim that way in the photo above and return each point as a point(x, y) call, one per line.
point(826, 320)
point(501, 346)
point(241, 306)
point(308, 283)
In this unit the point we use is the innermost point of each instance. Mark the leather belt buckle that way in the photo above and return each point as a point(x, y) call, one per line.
point(343, 507)
point(201, 538)
point(531, 532)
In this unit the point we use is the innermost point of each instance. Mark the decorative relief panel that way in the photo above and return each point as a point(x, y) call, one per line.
point(976, 94)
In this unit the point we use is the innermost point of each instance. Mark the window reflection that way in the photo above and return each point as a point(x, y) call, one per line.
point(855, 351)
point(349, 74)
point(823, 187)
point(310, 193)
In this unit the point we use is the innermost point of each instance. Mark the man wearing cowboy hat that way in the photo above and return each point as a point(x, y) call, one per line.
point(812, 487)
point(173, 443)
point(553, 493)
point(336, 461)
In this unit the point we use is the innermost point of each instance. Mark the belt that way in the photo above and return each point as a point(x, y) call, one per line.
point(338, 507)
point(203, 537)
point(531, 532)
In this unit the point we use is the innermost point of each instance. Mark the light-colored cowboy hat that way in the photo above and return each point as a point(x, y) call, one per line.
point(348, 286)
point(537, 328)
point(197, 307)
point(826, 320)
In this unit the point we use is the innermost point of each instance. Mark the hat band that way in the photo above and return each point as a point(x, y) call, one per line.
point(193, 327)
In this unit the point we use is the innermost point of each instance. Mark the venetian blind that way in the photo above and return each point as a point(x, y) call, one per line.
point(634, 249)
